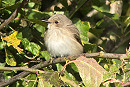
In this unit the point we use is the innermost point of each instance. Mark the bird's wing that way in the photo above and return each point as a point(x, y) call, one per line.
point(73, 29)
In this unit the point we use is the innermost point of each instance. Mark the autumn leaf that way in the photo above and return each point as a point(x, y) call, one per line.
point(90, 71)
point(13, 40)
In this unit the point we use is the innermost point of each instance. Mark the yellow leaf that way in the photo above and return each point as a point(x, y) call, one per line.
point(13, 40)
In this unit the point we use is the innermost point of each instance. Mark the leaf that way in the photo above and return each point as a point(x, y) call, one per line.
point(31, 46)
point(45, 54)
point(51, 77)
point(38, 14)
point(43, 83)
point(69, 74)
point(112, 72)
point(104, 8)
point(11, 2)
point(83, 27)
point(31, 4)
point(71, 82)
point(10, 60)
point(117, 63)
point(38, 22)
point(29, 81)
point(96, 32)
point(26, 33)
point(13, 40)
point(10, 6)
point(2, 45)
point(34, 48)
point(40, 29)
point(99, 22)
point(89, 48)
point(90, 71)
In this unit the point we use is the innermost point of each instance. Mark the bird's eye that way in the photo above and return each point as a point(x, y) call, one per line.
point(56, 22)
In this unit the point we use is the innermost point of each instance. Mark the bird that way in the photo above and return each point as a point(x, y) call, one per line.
point(62, 38)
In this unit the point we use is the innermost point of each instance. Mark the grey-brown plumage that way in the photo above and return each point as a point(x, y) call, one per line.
point(62, 37)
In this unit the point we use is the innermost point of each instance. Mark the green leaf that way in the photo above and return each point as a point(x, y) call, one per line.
point(9, 6)
point(83, 28)
point(40, 29)
point(104, 8)
point(99, 22)
point(38, 22)
point(90, 71)
point(68, 73)
point(108, 76)
point(10, 60)
point(96, 32)
point(45, 54)
point(114, 68)
point(115, 17)
point(33, 13)
point(89, 48)
point(112, 72)
point(35, 48)
point(43, 83)
point(31, 81)
point(2, 45)
point(9, 2)
point(25, 42)
point(117, 63)
point(25, 32)
point(31, 4)
point(51, 77)
point(19, 36)
point(2, 64)
point(31, 46)
point(70, 83)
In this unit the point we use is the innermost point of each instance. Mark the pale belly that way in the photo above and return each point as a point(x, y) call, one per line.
point(59, 44)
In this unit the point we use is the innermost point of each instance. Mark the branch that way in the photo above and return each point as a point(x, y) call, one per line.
point(93, 12)
point(123, 40)
point(63, 59)
point(21, 69)
point(126, 84)
point(11, 18)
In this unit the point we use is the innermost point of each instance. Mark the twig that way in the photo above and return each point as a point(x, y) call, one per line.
point(11, 18)
point(91, 13)
point(123, 40)
point(21, 69)
point(2, 20)
point(62, 59)
point(126, 84)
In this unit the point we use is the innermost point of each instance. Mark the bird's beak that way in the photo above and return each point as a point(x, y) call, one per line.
point(46, 21)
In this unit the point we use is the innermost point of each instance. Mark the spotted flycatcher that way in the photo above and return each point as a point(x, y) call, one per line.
point(62, 37)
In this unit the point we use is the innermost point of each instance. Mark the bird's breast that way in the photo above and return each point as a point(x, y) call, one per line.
point(61, 42)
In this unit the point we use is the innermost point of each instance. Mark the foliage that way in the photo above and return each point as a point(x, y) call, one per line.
point(22, 42)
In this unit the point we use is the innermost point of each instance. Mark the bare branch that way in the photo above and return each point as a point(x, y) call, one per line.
point(21, 69)
point(91, 13)
point(115, 7)
point(126, 84)
point(11, 18)
point(122, 41)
